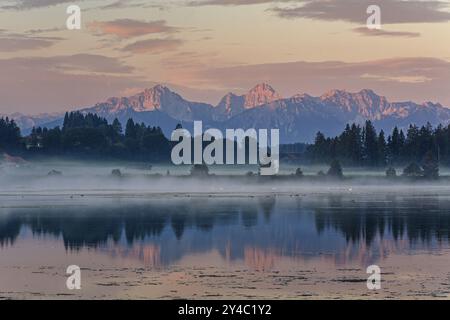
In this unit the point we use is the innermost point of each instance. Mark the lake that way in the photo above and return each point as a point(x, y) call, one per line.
point(242, 246)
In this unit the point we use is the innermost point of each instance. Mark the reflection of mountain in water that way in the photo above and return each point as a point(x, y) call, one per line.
point(257, 230)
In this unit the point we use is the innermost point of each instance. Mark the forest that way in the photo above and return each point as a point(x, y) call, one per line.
point(365, 147)
point(87, 136)
point(90, 136)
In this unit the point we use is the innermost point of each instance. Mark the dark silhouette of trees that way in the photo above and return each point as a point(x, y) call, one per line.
point(335, 169)
point(10, 139)
point(413, 170)
point(391, 173)
point(363, 146)
point(395, 145)
point(199, 170)
point(430, 166)
point(370, 145)
point(88, 135)
point(382, 149)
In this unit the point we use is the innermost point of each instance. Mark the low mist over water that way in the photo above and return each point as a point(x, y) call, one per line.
point(72, 178)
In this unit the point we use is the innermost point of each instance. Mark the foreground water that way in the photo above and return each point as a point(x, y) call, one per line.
point(243, 246)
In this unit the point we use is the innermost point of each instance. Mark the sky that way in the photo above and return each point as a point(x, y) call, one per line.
point(203, 49)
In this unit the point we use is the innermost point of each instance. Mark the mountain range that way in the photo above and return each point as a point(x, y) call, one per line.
point(298, 117)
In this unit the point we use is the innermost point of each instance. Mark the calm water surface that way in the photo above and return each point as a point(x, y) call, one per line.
point(294, 247)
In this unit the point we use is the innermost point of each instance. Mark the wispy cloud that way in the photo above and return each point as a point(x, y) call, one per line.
point(36, 84)
point(92, 63)
point(127, 28)
point(404, 79)
point(121, 4)
point(195, 3)
point(418, 78)
point(31, 4)
point(385, 33)
point(153, 46)
point(47, 30)
point(393, 11)
point(12, 42)
point(77, 63)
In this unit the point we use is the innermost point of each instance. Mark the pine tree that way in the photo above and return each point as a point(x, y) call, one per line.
point(394, 146)
point(370, 144)
point(413, 170)
point(130, 130)
point(117, 126)
point(319, 150)
point(199, 170)
point(430, 166)
point(382, 149)
point(66, 120)
point(356, 142)
point(412, 143)
point(390, 173)
point(335, 169)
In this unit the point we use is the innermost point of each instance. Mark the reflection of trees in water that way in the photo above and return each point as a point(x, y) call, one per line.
point(92, 226)
point(149, 254)
point(9, 230)
point(249, 216)
point(267, 204)
point(418, 219)
point(138, 224)
point(260, 259)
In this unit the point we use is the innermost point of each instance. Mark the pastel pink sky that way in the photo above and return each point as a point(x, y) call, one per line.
point(206, 48)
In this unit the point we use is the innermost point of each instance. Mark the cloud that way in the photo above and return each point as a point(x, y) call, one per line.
point(121, 4)
point(405, 79)
point(118, 4)
point(11, 42)
point(153, 46)
point(91, 63)
point(71, 64)
point(46, 84)
point(37, 84)
point(417, 79)
point(59, 83)
point(232, 2)
point(385, 33)
point(128, 28)
point(354, 11)
point(31, 4)
point(17, 44)
point(48, 30)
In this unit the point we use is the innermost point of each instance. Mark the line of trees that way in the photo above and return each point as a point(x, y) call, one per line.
point(10, 138)
point(88, 135)
point(364, 146)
